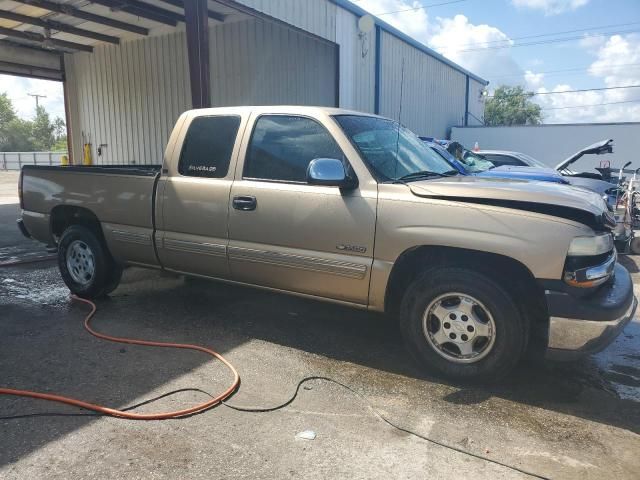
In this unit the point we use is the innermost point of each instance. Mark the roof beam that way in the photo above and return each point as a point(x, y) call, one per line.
point(12, 52)
point(144, 10)
point(219, 17)
point(7, 43)
point(39, 38)
point(61, 27)
point(89, 17)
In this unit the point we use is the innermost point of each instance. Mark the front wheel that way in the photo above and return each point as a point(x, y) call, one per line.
point(462, 325)
point(85, 264)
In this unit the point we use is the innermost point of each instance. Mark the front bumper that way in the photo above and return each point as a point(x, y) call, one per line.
point(581, 326)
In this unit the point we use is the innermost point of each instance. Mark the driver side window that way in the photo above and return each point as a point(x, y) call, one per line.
point(282, 146)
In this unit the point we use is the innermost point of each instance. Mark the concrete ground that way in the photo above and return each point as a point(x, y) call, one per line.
point(573, 421)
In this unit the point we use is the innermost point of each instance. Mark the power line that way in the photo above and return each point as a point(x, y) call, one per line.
point(419, 8)
point(542, 42)
point(571, 91)
point(616, 25)
point(592, 105)
point(577, 69)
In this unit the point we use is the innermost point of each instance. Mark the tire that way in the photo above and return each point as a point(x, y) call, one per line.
point(114, 278)
point(494, 328)
point(85, 264)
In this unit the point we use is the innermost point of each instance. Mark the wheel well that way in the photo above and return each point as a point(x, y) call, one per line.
point(64, 216)
point(509, 273)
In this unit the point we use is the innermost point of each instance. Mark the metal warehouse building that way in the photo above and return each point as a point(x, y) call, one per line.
point(130, 67)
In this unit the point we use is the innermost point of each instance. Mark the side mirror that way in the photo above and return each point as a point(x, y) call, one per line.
point(329, 172)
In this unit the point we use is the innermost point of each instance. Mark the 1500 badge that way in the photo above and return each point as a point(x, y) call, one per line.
point(352, 248)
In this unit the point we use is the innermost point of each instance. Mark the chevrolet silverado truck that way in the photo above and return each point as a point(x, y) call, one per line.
point(349, 208)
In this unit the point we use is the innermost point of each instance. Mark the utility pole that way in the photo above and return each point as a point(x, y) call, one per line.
point(37, 97)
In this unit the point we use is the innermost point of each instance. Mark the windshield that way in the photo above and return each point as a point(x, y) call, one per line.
point(532, 162)
point(390, 150)
point(447, 156)
point(476, 162)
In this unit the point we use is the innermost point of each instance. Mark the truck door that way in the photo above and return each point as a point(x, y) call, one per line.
point(192, 219)
point(289, 235)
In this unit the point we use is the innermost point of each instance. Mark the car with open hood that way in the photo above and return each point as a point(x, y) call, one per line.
point(599, 181)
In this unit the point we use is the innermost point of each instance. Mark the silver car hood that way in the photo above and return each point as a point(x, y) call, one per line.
point(543, 197)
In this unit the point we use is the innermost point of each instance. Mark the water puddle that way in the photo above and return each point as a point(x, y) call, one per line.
point(619, 364)
point(36, 286)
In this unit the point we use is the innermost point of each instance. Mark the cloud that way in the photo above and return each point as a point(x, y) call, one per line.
point(550, 7)
point(473, 47)
point(470, 46)
point(533, 81)
point(18, 88)
point(456, 38)
point(406, 16)
point(612, 66)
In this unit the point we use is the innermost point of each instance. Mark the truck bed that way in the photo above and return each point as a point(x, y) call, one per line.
point(120, 196)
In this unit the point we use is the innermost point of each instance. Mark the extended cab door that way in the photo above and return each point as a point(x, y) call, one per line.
point(289, 235)
point(193, 207)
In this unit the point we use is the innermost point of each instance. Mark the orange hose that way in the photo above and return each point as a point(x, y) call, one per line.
point(122, 414)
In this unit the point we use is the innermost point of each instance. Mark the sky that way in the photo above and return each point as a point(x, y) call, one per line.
point(486, 37)
point(603, 50)
point(18, 89)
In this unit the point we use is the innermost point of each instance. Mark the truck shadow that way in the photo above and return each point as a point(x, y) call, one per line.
point(44, 348)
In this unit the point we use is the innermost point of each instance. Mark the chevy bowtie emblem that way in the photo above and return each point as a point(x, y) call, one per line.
point(352, 248)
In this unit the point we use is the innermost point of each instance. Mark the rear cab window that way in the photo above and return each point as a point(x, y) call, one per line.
point(282, 146)
point(208, 146)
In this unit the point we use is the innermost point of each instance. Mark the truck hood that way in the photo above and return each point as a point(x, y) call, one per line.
point(548, 198)
point(525, 173)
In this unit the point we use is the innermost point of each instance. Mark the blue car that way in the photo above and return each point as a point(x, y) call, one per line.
point(475, 164)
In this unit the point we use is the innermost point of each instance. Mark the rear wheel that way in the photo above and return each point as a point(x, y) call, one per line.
point(462, 325)
point(85, 264)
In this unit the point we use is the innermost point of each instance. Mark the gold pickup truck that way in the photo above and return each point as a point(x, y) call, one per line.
point(350, 208)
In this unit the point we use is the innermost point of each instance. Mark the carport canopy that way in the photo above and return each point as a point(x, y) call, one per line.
point(35, 34)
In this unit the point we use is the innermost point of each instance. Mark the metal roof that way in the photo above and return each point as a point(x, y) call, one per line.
point(63, 26)
point(66, 26)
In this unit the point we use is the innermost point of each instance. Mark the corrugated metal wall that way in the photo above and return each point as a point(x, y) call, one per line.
point(263, 63)
point(129, 96)
point(476, 103)
point(325, 19)
point(315, 16)
point(357, 63)
point(433, 94)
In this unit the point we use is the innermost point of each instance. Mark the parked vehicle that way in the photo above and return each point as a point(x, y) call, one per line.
point(350, 208)
point(466, 167)
point(605, 187)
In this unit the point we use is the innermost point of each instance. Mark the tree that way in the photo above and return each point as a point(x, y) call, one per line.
point(39, 134)
point(60, 134)
point(42, 130)
point(512, 106)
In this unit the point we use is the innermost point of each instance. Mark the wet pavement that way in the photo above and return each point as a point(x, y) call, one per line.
point(569, 420)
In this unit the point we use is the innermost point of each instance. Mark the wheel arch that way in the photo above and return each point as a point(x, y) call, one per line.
point(64, 216)
point(510, 273)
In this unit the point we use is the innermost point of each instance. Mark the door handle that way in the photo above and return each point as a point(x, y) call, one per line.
point(245, 203)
